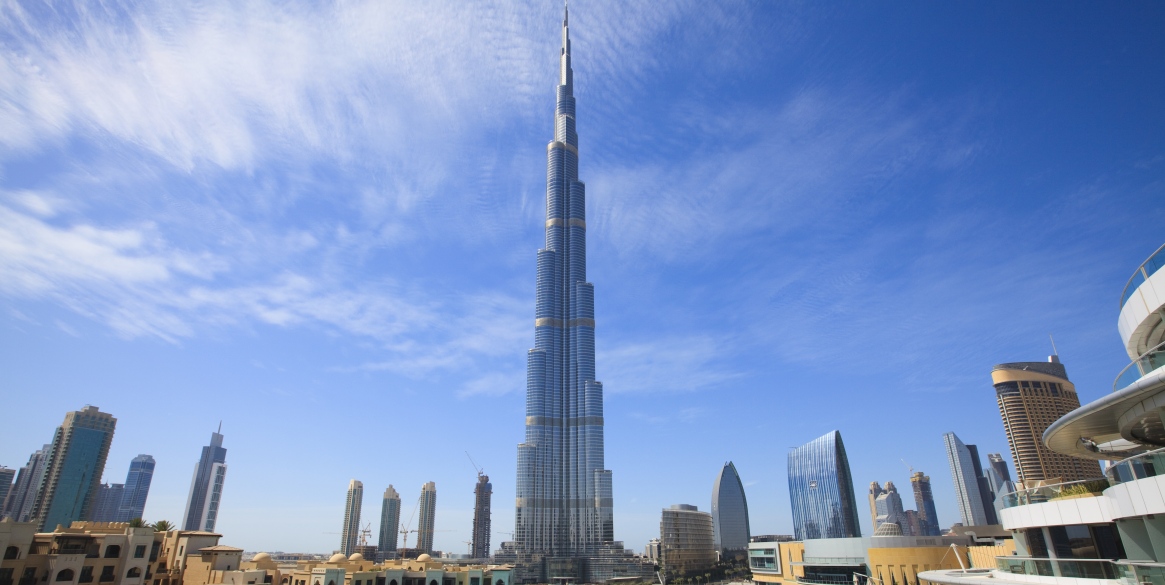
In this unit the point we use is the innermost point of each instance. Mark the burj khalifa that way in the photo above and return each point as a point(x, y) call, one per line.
point(564, 504)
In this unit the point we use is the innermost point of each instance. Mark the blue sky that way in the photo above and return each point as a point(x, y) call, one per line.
point(317, 223)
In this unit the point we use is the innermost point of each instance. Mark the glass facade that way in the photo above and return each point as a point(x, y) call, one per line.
point(352, 504)
point(427, 522)
point(137, 488)
point(206, 488)
point(686, 540)
point(564, 504)
point(75, 464)
point(924, 501)
point(967, 493)
point(821, 490)
point(730, 510)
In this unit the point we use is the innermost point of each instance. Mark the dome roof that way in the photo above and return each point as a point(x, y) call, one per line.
point(356, 557)
point(888, 529)
point(338, 558)
point(424, 557)
point(261, 557)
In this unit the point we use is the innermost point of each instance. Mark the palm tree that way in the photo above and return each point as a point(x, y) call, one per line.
point(163, 526)
point(136, 523)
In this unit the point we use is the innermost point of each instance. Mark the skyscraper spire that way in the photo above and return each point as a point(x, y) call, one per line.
point(566, 75)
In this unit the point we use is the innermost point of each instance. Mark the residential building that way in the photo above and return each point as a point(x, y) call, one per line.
point(563, 519)
point(1033, 395)
point(482, 493)
point(730, 512)
point(18, 505)
point(137, 488)
point(875, 491)
point(967, 494)
point(652, 550)
point(821, 490)
point(888, 505)
point(924, 502)
point(73, 468)
point(1103, 530)
point(104, 553)
point(354, 569)
point(202, 505)
point(7, 477)
point(427, 521)
point(350, 534)
point(389, 523)
point(686, 540)
point(106, 503)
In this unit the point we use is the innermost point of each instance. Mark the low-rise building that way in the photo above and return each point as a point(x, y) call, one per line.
point(687, 542)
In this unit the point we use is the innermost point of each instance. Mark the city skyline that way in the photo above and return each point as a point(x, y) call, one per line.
point(269, 238)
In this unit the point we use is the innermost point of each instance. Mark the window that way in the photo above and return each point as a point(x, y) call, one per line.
point(86, 575)
point(133, 573)
point(65, 575)
point(139, 552)
point(11, 552)
point(106, 574)
point(112, 551)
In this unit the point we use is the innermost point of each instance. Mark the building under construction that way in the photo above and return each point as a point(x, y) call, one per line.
point(483, 492)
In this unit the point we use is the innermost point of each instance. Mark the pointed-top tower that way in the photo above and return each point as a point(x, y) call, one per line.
point(563, 491)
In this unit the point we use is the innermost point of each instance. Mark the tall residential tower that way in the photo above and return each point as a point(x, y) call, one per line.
point(351, 532)
point(73, 468)
point(967, 493)
point(428, 519)
point(137, 488)
point(389, 523)
point(210, 473)
point(482, 493)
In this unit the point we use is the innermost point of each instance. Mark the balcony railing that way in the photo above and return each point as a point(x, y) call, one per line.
point(1149, 361)
point(1143, 272)
point(1072, 568)
point(1150, 464)
point(1074, 489)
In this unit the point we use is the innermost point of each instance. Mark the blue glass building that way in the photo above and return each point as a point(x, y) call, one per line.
point(564, 504)
point(137, 488)
point(206, 488)
point(822, 491)
point(729, 511)
point(73, 468)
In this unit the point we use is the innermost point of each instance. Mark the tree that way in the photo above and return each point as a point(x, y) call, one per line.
point(137, 523)
point(163, 526)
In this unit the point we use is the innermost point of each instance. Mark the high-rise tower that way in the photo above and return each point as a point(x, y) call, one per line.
point(821, 490)
point(206, 488)
point(924, 501)
point(730, 511)
point(1032, 396)
point(389, 522)
point(18, 506)
point(137, 488)
point(967, 493)
point(482, 494)
point(564, 503)
point(427, 522)
point(351, 532)
point(73, 468)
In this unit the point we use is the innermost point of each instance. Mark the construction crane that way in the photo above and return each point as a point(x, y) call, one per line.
point(476, 467)
point(365, 533)
point(908, 466)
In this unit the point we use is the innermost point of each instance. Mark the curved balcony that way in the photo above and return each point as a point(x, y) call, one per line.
point(1087, 488)
point(1071, 568)
point(1155, 262)
point(1145, 465)
point(1145, 364)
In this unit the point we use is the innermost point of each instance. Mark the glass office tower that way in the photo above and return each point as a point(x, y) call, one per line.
point(564, 503)
point(729, 511)
point(967, 493)
point(822, 491)
point(137, 488)
point(206, 488)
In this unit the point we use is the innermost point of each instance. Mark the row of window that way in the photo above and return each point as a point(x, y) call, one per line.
point(67, 575)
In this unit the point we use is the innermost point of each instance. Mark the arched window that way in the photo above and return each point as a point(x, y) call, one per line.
point(433, 582)
point(112, 551)
point(11, 552)
point(500, 582)
point(393, 582)
point(134, 572)
point(65, 575)
point(285, 581)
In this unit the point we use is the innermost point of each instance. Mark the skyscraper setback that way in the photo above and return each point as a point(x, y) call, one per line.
point(564, 503)
point(210, 473)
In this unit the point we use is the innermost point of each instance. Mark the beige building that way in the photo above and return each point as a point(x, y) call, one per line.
point(103, 553)
point(1032, 396)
